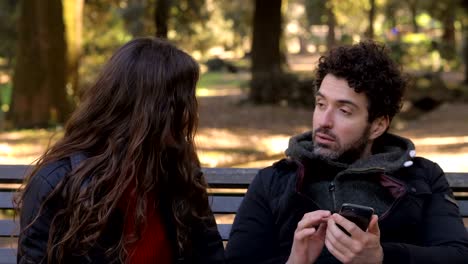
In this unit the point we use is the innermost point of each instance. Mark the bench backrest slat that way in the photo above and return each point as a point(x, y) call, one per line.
point(7, 255)
point(217, 177)
point(13, 173)
point(9, 227)
point(6, 199)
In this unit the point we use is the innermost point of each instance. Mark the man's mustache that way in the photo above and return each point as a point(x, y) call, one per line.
point(325, 131)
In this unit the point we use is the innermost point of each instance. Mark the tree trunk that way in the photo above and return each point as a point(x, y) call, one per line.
point(161, 17)
point(448, 36)
point(39, 97)
point(73, 15)
point(370, 30)
point(331, 22)
point(465, 51)
point(266, 54)
point(413, 4)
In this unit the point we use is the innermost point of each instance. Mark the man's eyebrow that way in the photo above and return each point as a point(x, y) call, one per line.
point(348, 102)
point(342, 101)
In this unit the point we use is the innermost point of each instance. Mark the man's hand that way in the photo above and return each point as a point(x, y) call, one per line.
point(361, 247)
point(309, 237)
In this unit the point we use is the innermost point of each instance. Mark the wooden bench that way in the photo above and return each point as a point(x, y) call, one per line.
point(227, 187)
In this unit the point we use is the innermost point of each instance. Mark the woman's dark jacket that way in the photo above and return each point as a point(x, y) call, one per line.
point(206, 241)
point(418, 218)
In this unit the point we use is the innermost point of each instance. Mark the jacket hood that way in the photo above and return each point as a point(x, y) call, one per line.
point(389, 152)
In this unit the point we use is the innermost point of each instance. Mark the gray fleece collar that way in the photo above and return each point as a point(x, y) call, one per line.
point(390, 152)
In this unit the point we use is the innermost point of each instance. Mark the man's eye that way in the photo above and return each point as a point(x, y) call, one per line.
point(345, 112)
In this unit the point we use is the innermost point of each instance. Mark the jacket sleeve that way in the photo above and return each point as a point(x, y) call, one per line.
point(34, 228)
point(444, 237)
point(253, 236)
point(208, 245)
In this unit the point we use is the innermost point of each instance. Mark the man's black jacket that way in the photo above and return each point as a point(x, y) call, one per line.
point(418, 217)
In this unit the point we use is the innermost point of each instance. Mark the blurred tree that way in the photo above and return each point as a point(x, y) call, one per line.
point(391, 7)
point(331, 23)
point(266, 54)
point(464, 20)
point(239, 16)
point(444, 11)
point(39, 97)
point(372, 11)
point(105, 31)
point(8, 33)
point(73, 16)
point(413, 8)
point(133, 13)
point(321, 12)
point(161, 17)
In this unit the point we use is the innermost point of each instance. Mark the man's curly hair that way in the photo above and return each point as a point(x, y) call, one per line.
point(367, 68)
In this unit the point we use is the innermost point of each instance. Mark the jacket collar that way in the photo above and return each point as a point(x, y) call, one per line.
point(389, 153)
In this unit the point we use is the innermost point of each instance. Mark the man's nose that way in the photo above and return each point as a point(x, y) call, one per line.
point(326, 119)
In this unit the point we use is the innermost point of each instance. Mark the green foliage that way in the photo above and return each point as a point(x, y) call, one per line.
point(239, 15)
point(105, 31)
point(316, 12)
point(5, 94)
point(212, 80)
point(8, 36)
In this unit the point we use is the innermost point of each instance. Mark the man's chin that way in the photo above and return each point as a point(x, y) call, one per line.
point(326, 153)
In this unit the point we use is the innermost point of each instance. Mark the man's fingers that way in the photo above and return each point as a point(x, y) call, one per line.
point(322, 229)
point(336, 242)
point(331, 248)
point(304, 233)
point(313, 219)
point(334, 230)
point(351, 227)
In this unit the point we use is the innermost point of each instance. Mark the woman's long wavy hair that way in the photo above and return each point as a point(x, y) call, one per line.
point(136, 124)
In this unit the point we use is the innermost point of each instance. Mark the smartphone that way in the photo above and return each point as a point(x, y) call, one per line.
point(358, 214)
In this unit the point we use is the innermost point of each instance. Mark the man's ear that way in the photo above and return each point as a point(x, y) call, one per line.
point(379, 126)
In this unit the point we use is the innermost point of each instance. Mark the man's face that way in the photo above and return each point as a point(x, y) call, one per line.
point(340, 126)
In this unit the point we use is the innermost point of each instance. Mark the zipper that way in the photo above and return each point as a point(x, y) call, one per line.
point(331, 189)
point(398, 199)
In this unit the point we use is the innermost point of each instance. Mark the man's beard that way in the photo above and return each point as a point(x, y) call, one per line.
point(345, 153)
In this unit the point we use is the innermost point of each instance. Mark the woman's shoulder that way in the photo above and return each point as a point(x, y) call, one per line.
point(49, 175)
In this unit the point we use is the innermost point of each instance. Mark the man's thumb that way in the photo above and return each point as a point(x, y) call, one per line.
point(374, 225)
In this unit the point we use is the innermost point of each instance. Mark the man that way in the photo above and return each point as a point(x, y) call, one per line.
point(289, 213)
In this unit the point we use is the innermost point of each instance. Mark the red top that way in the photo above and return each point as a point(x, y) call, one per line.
point(154, 245)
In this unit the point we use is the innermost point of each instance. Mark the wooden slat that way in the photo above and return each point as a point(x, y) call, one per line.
point(224, 230)
point(229, 177)
point(13, 173)
point(225, 204)
point(9, 227)
point(7, 256)
point(463, 205)
point(458, 181)
point(6, 199)
point(215, 176)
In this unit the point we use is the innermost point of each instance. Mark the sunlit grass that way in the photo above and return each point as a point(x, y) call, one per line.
point(214, 80)
point(25, 146)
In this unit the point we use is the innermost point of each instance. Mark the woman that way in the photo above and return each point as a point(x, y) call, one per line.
point(124, 184)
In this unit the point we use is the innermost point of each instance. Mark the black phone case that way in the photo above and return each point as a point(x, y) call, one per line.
point(358, 214)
